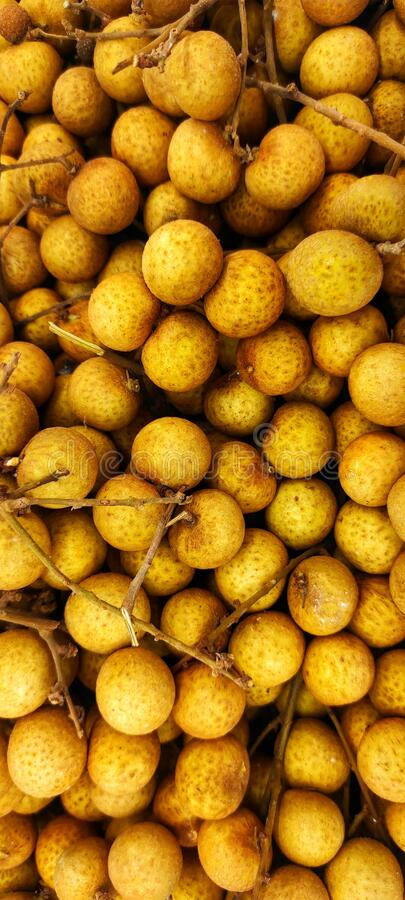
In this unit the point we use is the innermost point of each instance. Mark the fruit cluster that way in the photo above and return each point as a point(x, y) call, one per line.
point(202, 449)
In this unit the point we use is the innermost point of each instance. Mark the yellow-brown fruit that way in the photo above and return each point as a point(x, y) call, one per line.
point(194, 883)
point(140, 139)
point(339, 60)
point(33, 67)
point(377, 383)
point(317, 214)
point(387, 106)
point(311, 739)
point(165, 204)
point(201, 163)
point(343, 148)
point(19, 567)
point(239, 470)
point(399, 7)
point(51, 181)
point(37, 332)
point(169, 731)
point(212, 777)
point(364, 867)
point(302, 512)
point(252, 569)
point(17, 840)
point(158, 87)
point(24, 877)
point(214, 536)
point(356, 719)
point(294, 883)
point(27, 673)
point(322, 595)
point(394, 815)
point(395, 507)
point(104, 196)
point(77, 800)
point(333, 272)
point(349, 424)
point(336, 341)
point(6, 326)
point(125, 257)
point(34, 372)
point(81, 870)
point(10, 204)
point(275, 361)
point(182, 260)
point(168, 810)
point(23, 268)
point(70, 252)
point(294, 31)
point(207, 706)
point(387, 693)
point(56, 836)
point(229, 850)
point(10, 795)
point(14, 135)
point(58, 411)
point(89, 667)
point(18, 420)
point(370, 466)
point(103, 395)
point(257, 695)
point(80, 104)
point(268, 647)
point(372, 207)
point(121, 763)
point(248, 217)
point(309, 827)
point(253, 116)
point(182, 353)
point(45, 755)
point(99, 629)
point(46, 129)
point(205, 75)
point(171, 451)
point(165, 576)
point(338, 669)
point(299, 441)
point(318, 387)
point(55, 15)
point(127, 527)
point(399, 331)
point(119, 806)
point(191, 615)
point(246, 274)
point(366, 538)
point(333, 13)
point(125, 86)
point(145, 860)
point(236, 408)
point(122, 311)
point(108, 457)
point(135, 691)
point(377, 620)
point(289, 167)
point(389, 34)
point(381, 759)
point(397, 582)
point(75, 320)
point(163, 11)
point(53, 449)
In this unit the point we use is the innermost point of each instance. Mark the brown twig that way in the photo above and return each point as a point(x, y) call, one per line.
point(110, 355)
point(86, 502)
point(233, 121)
point(7, 369)
point(11, 109)
point(61, 685)
point(28, 620)
point(21, 323)
point(47, 160)
point(271, 726)
point(358, 819)
point(31, 485)
point(271, 57)
point(394, 249)
point(291, 92)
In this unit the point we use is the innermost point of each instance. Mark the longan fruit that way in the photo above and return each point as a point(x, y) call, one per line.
point(54, 14)
point(125, 257)
point(389, 34)
point(205, 75)
point(140, 139)
point(37, 332)
point(275, 361)
point(58, 448)
point(10, 204)
point(294, 31)
point(309, 828)
point(19, 420)
point(318, 387)
point(28, 806)
point(356, 719)
point(121, 763)
point(257, 695)
point(381, 759)
point(135, 690)
point(229, 850)
point(299, 441)
point(239, 470)
point(169, 731)
point(348, 424)
point(80, 104)
point(120, 806)
point(77, 800)
point(108, 457)
point(339, 60)
point(377, 382)
point(81, 870)
point(370, 466)
point(387, 106)
point(10, 795)
point(181, 353)
point(158, 87)
point(181, 261)
point(14, 134)
point(166, 575)
point(171, 451)
point(397, 582)
point(104, 196)
point(17, 839)
point(201, 163)
point(33, 374)
point(31, 66)
point(336, 341)
point(343, 148)
point(23, 268)
point(253, 116)
point(346, 270)
point(163, 11)
point(58, 411)
point(246, 273)
point(322, 595)
point(169, 811)
point(74, 290)
point(338, 668)
point(27, 673)
point(55, 837)
point(260, 557)
point(191, 615)
point(394, 281)
point(44, 128)
point(294, 883)
point(51, 180)
point(24, 876)
point(18, 565)
point(122, 311)
point(71, 252)
point(268, 647)
point(194, 883)
point(289, 167)
point(89, 667)
point(165, 204)
point(207, 706)
point(125, 86)
point(91, 404)
point(145, 857)
point(75, 320)
point(302, 513)
point(260, 780)
point(45, 755)
point(95, 628)
point(248, 217)
point(376, 619)
point(317, 214)
point(212, 776)
point(394, 815)
point(333, 12)
point(366, 538)
point(311, 739)
point(372, 207)
point(235, 407)
point(306, 705)
point(126, 527)
point(214, 536)
point(387, 692)
point(395, 506)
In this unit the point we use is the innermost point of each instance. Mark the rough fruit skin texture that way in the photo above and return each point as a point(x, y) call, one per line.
point(145, 857)
point(340, 59)
point(192, 143)
point(268, 647)
point(372, 207)
point(140, 139)
point(309, 827)
point(377, 384)
point(127, 528)
point(171, 451)
point(100, 180)
point(122, 311)
point(349, 424)
point(125, 86)
point(335, 342)
point(212, 777)
point(236, 408)
point(381, 759)
point(81, 870)
point(181, 261)
point(69, 251)
point(205, 75)
point(80, 104)
point(370, 466)
point(294, 31)
point(309, 737)
point(387, 693)
point(228, 850)
point(56, 836)
point(389, 34)
point(299, 441)
point(333, 12)
point(395, 506)
point(240, 471)
point(215, 535)
point(260, 557)
point(34, 373)
point(45, 756)
point(293, 883)
point(101, 631)
point(53, 449)
point(19, 421)
point(121, 763)
point(377, 620)
point(181, 354)
point(248, 296)
point(87, 398)
point(34, 69)
point(338, 669)
point(194, 882)
point(17, 839)
point(207, 707)
point(279, 179)
point(275, 361)
point(166, 574)
point(343, 149)
point(19, 566)
point(365, 868)
point(302, 512)
point(135, 691)
point(366, 538)
point(322, 595)
point(27, 673)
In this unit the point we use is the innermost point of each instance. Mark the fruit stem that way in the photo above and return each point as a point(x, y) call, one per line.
point(19, 100)
point(271, 57)
point(232, 127)
point(61, 685)
point(50, 309)
point(7, 370)
point(31, 485)
point(133, 502)
point(47, 160)
point(395, 249)
point(115, 358)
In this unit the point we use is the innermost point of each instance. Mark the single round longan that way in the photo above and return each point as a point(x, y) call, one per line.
point(268, 647)
point(299, 441)
point(79, 103)
point(349, 424)
point(338, 668)
point(140, 139)
point(377, 620)
point(37, 332)
point(135, 690)
point(32, 66)
point(372, 207)
point(18, 565)
point(215, 534)
point(58, 448)
point(207, 706)
point(395, 507)
point(394, 815)
point(122, 311)
point(236, 408)
point(388, 34)
point(259, 559)
point(333, 12)
point(145, 858)
point(302, 513)
point(381, 758)
point(387, 693)
point(181, 353)
point(377, 383)
point(366, 538)
point(77, 800)
point(125, 257)
point(70, 252)
point(165, 204)
point(343, 148)
point(387, 106)
point(336, 341)
point(293, 883)
point(229, 850)
point(322, 595)
point(17, 839)
point(317, 214)
point(81, 870)
point(370, 466)
point(201, 163)
point(19, 421)
point(248, 217)
point(89, 400)
point(191, 615)
point(158, 87)
point(97, 629)
point(364, 867)
point(194, 882)
point(294, 31)
point(125, 86)
point(212, 776)
point(126, 527)
point(45, 755)
point(205, 75)
point(56, 836)
point(34, 372)
point(166, 575)
point(310, 739)
point(340, 59)
point(246, 273)
point(239, 470)
point(275, 361)
point(23, 268)
point(309, 827)
point(27, 673)
point(104, 196)
point(182, 260)
point(317, 387)
point(168, 809)
point(171, 451)
point(121, 763)
point(289, 167)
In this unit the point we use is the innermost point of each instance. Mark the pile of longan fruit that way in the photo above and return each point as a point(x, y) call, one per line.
point(202, 359)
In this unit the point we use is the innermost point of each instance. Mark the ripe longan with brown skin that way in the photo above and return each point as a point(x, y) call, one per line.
point(309, 828)
point(376, 619)
point(394, 815)
point(348, 424)
point(309, 737)
point(293, 883)
point(388, 34)
point(260, 557)
point(23, 268)
point(194, 882)
point(207, 707)
point(366, 867)
point(343, 149)
point(317, 214)
point(158, 87)
point(168, 810)
point(51, 181)
point(6, 326)
point(77, 800)
point(245, 274)
point(165, 204)
point(70, 252)
point(387, 693)
point(338, 668)
point(214, 536)
point(118, 762)
point(37, 332)
point(333, 13)
point(356, 719)
point(125, 257)
point(33, 374)
point(239, 470)
point(45, 755)
point(395, 507)
point(10, 204)
point(140, 139)
point(294, 31)
point(335, 342)
point(181, 353)
point(302, 513)
point(190, 616)
point(126, 527)
point(397, 582)
point(18, 565)
point(211, 777)
point(58, 448)
point(104, 196)
point(381, 759)
point(280, 179)
point(135, 691)
point(377, 382)
point(17, 839)
point(299, 441)
point(236, 408)
point(75, 320)
point(339, 60)
point(318, 387)
point(165, 576)
point(80, 104)
point(125, 86)
point(58, 411)
point(145, 857)
point(27, 673)
point(248, 217)
point(228, 850)
point(119, 806)
point(14, 134)
point(108, 456)
point(372, 207)
point(18, 419)
point(81, 870)
point(56, 836)
point(322, 595)
point(181, 261)
point(201, 163)
point(122, 311)
point(89, 401)
point(268, 647)
point(387, 106)
point(205, 75)
point(171, 451)
point(275, 361)
point(100, 630)
point(370, 466)
point(366, 538)
point(31, 66)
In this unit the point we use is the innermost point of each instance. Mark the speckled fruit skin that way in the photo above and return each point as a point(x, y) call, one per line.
point(125, 86)
point(363, 866)
point(277, 178)
point(322, 595)
point(122, 311)
point(228, 850)
point(166, 574)
point(212, 777)
point(56, 836)
point(370, 466)
point(268, 647)
point(246, 273)
point(80, 104)
point(121, 763)
point(181, 261)
point(307, 738)
point(216, 533)
point(34, 373)
point(372, 207)
point(92, 405)
point(294, 31)
point(34, 69)
point(260, 557)
point(389, 34)
point(195, 142)
point(104, 196)
point(275, 361)
point(135, 691)
point(236, 408)
point(342, 149)
point(348, 424)
point(70, 251)
point(169, 811)
point(191, 615)
point(205, 75)
point(338, 669)
point(207, 707)
point(377, 384)
point(27, 673)
point(294, 882)
point(53, 449)
point(19, 421)
point(340, 59)
point(148, 856)
point(395, 506)
point(387, 693)
point(127, 528)
point(81, 870)
point(181, 354)
point(17, 836)
point(377, 620)
point(299, 441)
point(19, 567)
point(336, 341)
point(302, 512)
point(45, 756)
point(309, 827)
point(366, 537)
point(103, 631)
